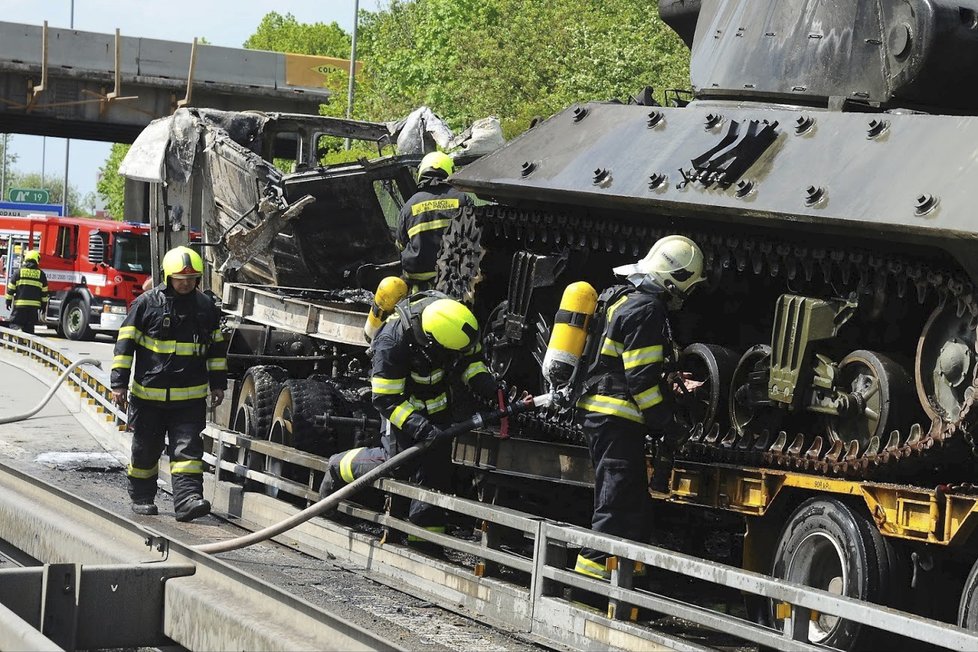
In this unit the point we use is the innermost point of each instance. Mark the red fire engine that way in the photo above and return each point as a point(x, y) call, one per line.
point(95, 268)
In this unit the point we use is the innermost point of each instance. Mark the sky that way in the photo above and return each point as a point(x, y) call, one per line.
point(222, 22)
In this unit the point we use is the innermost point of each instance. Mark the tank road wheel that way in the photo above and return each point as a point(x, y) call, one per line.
point(828, 545)
point(74, 321)
point(751, 410)
point(713, 366)
point(877, 388)
point(256, 400)
point(945, 364)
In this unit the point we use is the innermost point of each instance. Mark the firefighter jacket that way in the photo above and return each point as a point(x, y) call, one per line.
point(172, 346)
point(28, 288)
point(627, 379)
point(422, 222)
point(410, 382)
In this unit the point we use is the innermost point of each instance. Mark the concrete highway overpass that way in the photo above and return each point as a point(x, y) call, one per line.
point(74, 84)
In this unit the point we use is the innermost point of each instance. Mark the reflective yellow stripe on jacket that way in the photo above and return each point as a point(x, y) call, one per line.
point(161, 346)
point(122, 362)
point(611, 405)
point(428, 226)
point(401, 413)
point(641, 357)
point(171, 393)
point(380, 385)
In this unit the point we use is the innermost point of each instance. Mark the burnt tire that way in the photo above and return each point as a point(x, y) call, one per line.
point(260, 388)
point(299, 403)
point(829, 545)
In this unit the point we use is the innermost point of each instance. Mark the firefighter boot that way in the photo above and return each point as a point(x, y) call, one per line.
point(145, 509)
point(192, 507)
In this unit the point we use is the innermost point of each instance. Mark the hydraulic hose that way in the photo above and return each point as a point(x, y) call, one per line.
point(47, 397)
point(331, 501)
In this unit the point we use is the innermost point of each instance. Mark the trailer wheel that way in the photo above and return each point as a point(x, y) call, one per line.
point(828, 545)
point(260, 387)
point(968, 609)
point(299, 403)
point(74, 321)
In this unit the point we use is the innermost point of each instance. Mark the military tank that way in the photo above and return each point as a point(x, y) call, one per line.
point(823, 166)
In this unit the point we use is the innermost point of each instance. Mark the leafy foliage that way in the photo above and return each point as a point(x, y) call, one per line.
point(111, 186)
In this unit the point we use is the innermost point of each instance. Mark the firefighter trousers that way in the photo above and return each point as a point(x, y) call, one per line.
point(621, 486)
point(432, 469)
point(24, 319)
point(177, 430)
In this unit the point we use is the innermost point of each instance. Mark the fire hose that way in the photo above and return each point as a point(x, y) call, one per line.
point(47, 397)
point(330, 502)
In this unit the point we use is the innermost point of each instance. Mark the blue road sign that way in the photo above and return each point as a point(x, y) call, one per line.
point(18, 209)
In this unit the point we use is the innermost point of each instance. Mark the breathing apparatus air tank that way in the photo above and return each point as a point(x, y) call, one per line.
point(569, 334)
point(390, 290)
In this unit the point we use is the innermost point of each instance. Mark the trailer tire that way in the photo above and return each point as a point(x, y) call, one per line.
point(829, 545)
point(299, 402)
point(260, 387)
point(74, 320)
point(968, 608)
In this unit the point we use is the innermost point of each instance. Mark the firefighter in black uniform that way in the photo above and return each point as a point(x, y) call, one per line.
point(416, 353)
point(424, 219)
point(171, 344)
point(27, 291)
point(625, 397)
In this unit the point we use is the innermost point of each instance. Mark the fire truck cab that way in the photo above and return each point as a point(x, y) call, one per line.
point(95, 268)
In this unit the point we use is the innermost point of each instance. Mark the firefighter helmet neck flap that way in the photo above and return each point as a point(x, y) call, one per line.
point(674, 263)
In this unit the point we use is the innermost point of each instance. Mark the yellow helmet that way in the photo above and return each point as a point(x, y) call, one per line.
point(182, 262)
point(675, 262)
point(33, 254)
point(450, 323)
point(434, 162)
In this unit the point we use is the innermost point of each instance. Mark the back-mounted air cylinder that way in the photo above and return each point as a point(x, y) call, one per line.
point(569, 333)
point(390, 290)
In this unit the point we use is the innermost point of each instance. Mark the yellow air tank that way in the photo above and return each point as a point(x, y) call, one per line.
point(389, 291)
point(569, 334)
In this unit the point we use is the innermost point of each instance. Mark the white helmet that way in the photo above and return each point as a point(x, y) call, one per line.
point(675, 262)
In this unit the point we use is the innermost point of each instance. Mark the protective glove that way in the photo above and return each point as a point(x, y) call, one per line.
point(8, 304)
point(426, 432)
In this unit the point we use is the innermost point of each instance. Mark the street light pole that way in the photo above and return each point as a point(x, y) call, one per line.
point(3, 170)
point(353, 64)
point(64, 187)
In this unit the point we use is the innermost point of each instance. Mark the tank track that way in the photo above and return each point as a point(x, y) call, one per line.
point(862, 271)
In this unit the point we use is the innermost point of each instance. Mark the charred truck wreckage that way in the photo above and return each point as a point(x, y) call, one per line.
point(822, 165)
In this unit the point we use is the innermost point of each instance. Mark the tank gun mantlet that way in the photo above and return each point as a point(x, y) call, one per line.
point(839, 53)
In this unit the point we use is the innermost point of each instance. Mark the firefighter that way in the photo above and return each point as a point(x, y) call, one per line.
point(625, 397)
point(424, 219)
point(428, 341)
point(171, 344)
point(28, 292)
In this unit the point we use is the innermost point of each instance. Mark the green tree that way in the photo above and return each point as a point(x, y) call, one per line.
point(54, 186)
point(7, 160)
point(111, 186)
point(513, 59)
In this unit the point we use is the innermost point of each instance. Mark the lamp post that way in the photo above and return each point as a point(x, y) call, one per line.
point(353, 64)
point(64, 187)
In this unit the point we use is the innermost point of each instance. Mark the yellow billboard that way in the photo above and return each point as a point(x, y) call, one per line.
point(310, 71)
